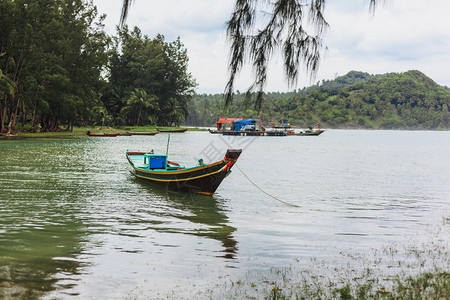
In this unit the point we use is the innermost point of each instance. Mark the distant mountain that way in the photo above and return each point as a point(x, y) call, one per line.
point(408, 100)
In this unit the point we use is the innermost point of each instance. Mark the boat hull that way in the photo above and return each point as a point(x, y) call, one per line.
point(254, 133)
point(142, 133)
point(104, 134)
point(215, 131)
point(172, 130)
point(312, 133)
point(202, 179)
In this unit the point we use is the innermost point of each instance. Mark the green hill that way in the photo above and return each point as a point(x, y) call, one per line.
point(408, 100)
point(351, 78)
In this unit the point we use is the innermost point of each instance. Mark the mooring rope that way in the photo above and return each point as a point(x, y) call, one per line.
point(263, 190)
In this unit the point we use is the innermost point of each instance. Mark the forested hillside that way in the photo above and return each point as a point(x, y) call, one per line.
point(407, 100)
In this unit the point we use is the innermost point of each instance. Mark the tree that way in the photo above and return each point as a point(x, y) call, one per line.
point(157, 67)
point(54, 54)
point(102, 113)
point(7, 86)
point(140, 106)
point(175, 114)
point(114, 100)
point(258, 28)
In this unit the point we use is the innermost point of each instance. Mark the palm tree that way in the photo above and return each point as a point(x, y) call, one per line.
point(175, 113)
point(7, 86)
point(140, 102)
point(102, 113)
point(114, 101)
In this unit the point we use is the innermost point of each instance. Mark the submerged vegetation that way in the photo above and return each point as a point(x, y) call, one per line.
point(407, 100)
point(422, 286)
point(392, 272)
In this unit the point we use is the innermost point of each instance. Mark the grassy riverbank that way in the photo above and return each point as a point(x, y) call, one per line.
point(79, 132)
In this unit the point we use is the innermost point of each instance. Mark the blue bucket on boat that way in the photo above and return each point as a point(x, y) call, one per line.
point(156, 161)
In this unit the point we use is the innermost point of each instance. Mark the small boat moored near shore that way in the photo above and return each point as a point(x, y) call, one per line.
point(202, 179)
point(310, 132)
point(142, 133)
point(103, 134)
point(213, 131)
point(172, 130)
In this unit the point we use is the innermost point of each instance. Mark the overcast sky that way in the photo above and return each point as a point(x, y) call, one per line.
point(402, 35)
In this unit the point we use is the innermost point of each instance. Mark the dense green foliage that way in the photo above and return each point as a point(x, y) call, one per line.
point(59, 68)
point(53, 52)
point(407, 100)
point(148, 81)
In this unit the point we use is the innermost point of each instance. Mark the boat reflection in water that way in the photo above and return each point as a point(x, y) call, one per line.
point(204, 212)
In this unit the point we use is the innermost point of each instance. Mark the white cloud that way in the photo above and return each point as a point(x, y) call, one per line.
point(402, 35)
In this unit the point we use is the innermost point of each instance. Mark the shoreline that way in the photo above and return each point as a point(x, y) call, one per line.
point(81, 132)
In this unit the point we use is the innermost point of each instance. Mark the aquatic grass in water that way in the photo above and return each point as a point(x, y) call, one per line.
point(287, 284)
point(391, 272)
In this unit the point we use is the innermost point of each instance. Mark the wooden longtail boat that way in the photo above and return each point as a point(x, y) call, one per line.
point(202, 179)
point(172, 130)
point(103, 134)
point(142, 133)
point(215, 131)
point(309, 132)
point(312, 133)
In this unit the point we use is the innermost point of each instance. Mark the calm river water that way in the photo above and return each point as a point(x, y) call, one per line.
point(74, 223)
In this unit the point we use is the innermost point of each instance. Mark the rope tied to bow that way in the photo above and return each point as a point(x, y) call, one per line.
point(265, 191)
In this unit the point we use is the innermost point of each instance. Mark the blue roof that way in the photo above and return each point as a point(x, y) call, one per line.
point(245, 122)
